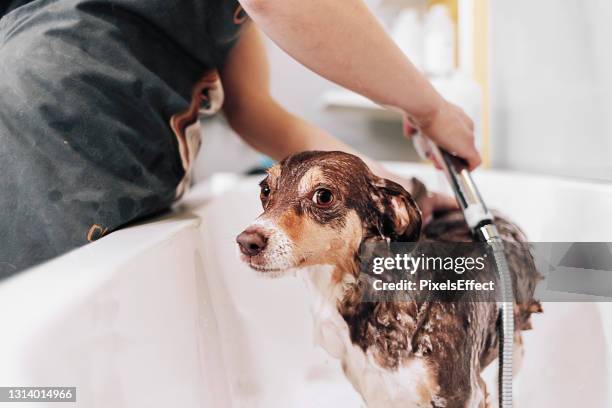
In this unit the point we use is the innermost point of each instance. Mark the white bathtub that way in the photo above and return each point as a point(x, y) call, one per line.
point(163, 315)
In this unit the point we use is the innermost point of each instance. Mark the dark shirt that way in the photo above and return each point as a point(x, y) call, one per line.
point(99, 101)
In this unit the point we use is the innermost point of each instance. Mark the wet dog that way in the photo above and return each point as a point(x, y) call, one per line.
point(319, 208)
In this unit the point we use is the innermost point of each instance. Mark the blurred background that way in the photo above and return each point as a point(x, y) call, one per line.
point(536, 77)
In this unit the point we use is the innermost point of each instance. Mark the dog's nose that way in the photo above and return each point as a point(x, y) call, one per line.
point(251, 242)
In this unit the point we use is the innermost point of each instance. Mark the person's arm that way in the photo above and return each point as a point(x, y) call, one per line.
point(266, 126)
point(255, 115)
point(342, 41)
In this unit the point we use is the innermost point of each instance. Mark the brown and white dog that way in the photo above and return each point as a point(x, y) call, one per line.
point(319, 207)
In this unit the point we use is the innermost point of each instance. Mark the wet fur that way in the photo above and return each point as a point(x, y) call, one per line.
point(438, 348)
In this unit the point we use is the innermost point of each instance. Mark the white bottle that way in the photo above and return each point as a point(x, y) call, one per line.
point(439, 49)
point(408, 35)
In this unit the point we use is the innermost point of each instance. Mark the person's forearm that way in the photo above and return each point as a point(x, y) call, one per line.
point(342, 41)
point(269, 128)
point(272, 130)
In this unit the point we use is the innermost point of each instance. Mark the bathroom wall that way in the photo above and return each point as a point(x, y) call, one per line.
point(551, 79)
point(551, 95)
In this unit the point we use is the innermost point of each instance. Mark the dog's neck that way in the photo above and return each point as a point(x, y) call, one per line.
point(327, 282)
point(334, 288)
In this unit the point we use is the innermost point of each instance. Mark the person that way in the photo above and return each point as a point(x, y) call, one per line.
point(100, 100)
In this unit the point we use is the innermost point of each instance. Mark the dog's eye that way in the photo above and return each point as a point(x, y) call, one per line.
point(265, 192)
point(323, 197)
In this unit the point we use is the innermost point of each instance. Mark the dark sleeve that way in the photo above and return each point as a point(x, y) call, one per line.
point(9, 6)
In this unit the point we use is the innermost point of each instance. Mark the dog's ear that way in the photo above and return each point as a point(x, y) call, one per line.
point(399, 216)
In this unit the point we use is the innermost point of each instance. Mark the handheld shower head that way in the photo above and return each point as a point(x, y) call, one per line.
point(480, 222)
point(456, 170)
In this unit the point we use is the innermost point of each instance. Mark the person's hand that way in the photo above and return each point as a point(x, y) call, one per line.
point(432, 203)
point(429, 202)
point(450, 128)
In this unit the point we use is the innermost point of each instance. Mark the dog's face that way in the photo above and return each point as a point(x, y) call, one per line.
point(319, 207)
